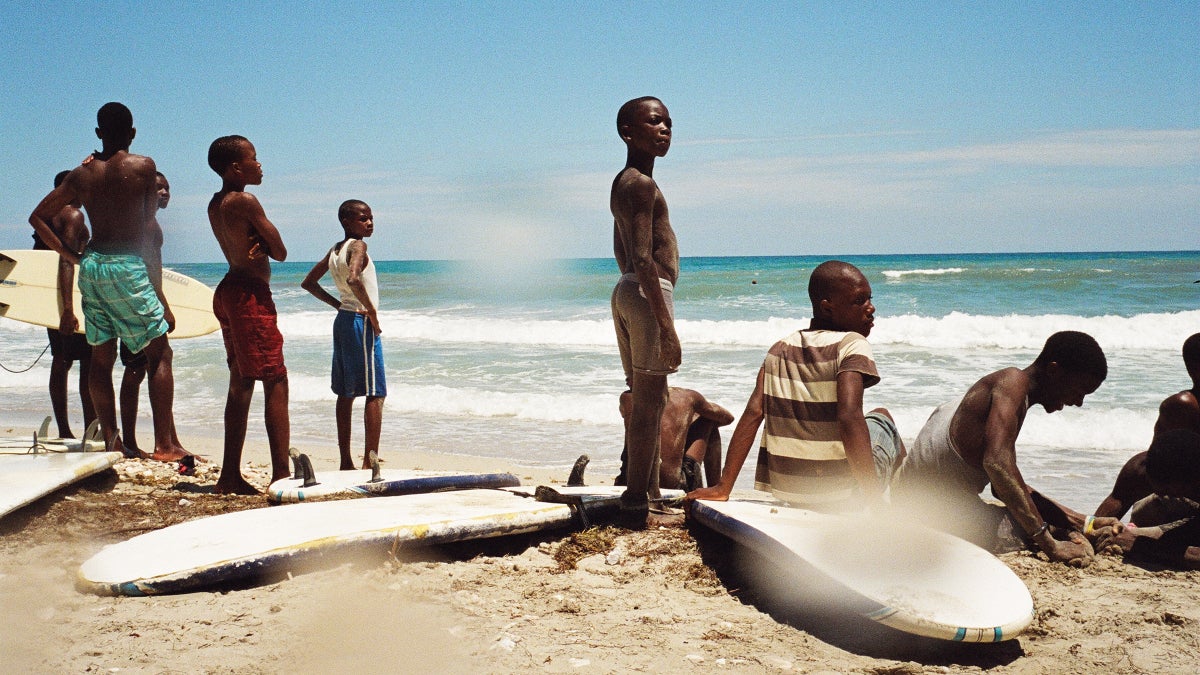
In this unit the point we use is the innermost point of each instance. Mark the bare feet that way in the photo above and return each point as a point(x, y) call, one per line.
point(234, 486)
point(172, 453)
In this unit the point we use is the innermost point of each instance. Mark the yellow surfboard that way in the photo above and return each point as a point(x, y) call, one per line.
point(29, 293)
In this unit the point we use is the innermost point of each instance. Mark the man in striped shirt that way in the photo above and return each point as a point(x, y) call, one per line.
point(819, 450)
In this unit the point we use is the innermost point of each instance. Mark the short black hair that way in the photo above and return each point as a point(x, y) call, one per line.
point(60, 177)
point(225, 151)
point(344, 209)
point(1075, 352)
point(1191, 349)
point(825, 278)
point(625, 114)
point(114, 119)
point(1174, 457)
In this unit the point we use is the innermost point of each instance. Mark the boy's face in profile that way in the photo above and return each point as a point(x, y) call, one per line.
point(649, 131)
point(849, 306)
point(359, 223)
point(1061, 388)
point(247, 165)
point(164, 191)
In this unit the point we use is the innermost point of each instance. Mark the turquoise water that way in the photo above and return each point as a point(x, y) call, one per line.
point(519, 360)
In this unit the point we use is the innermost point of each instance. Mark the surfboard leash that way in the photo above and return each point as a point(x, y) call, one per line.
point(35, 362)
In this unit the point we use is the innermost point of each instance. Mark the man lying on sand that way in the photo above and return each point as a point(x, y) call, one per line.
point(971, 442)
point(689, 437)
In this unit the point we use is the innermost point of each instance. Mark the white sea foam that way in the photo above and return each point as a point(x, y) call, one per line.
point(893, 275)
point(953, 331)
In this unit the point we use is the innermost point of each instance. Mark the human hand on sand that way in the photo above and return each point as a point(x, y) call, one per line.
point(713, 493)
point(1119, 539)
point(1076, 552)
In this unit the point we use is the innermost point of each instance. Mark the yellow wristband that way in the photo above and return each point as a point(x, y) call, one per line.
point(1089, 525)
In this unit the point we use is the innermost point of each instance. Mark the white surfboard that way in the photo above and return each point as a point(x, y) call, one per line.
point(29, 293)
point(41, 441)
point(240, 545)
point(24, 478)
point(912, 578)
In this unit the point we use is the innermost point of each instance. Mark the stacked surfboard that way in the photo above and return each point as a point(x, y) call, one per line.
point(29, 293)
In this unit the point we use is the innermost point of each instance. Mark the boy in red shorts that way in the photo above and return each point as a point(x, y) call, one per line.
point(244, 308)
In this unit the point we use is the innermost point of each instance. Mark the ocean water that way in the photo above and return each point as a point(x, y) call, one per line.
point(519, 360)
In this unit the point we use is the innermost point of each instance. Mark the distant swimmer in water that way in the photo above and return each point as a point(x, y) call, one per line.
point(971, 442)
point(689, 438)
point(357, 348)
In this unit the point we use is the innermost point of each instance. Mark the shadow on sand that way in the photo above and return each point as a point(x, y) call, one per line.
point(748, 577)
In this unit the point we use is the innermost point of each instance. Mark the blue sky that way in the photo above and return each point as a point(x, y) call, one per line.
point(486, 129)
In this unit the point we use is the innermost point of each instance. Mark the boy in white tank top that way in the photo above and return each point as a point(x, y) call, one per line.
point(357, 349)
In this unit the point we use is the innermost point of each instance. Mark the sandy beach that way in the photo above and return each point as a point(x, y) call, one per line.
point(605, 601)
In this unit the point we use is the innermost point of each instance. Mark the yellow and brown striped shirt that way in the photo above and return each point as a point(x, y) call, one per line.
point(802, 459)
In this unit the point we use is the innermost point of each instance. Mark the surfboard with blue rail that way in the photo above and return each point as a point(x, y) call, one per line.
point(389, 482)
point(240, 546)
point(903, 575)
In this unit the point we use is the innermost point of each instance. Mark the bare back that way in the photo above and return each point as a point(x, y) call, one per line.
point(120, 198)
point(237, 222)
point(641, 225)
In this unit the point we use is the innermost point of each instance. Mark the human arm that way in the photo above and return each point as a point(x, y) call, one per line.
point(312, 283)
point(1131, 485)
point(152, 255)
point(1007, 401)
point(852, 429)
point(739, 446)
point(708, 410)
point(637, 201)
point(44, 214)
point(73, 233)
point(1174, 546)
point(265, 237)
point(357, 263)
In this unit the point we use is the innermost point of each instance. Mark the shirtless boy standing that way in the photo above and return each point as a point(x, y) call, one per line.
point(357, 349)
point(648, 257)
point(246, 311)
point(120, 298)
point(67, 346)
point(165, 437)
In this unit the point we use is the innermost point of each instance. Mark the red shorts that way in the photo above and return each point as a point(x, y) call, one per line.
point(246, 312)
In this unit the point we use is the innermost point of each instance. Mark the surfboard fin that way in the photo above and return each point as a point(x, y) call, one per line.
point(44, 430)
point(576, 477)
point(297, 466)
point(545, 493)
point(310, 476)
point(91, 433)
point(376, 476)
